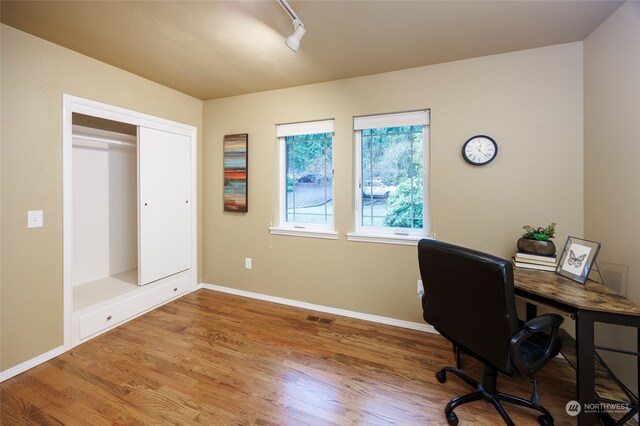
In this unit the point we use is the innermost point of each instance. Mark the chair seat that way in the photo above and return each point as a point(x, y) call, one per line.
point(533, 348)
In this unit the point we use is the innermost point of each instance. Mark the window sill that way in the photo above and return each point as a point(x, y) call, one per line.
point(406, 240)
point(304, 232)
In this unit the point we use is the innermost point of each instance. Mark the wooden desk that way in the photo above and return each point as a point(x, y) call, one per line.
point(588, 304)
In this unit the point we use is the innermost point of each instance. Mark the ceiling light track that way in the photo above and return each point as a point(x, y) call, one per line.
point(293, 41)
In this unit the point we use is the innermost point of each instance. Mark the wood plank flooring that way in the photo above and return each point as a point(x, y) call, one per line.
point(216, 359)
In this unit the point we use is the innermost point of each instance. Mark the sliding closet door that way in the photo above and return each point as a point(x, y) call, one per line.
point(163, 204)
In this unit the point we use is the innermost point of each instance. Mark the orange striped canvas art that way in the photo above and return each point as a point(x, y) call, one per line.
point(235, 172)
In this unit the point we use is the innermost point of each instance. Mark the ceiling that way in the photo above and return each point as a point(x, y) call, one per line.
point(214, 49)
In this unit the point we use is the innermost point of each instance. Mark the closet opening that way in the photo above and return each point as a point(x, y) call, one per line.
point(105, 214)
point(129, 215)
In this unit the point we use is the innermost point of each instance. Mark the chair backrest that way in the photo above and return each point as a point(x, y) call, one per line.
point(469, 298)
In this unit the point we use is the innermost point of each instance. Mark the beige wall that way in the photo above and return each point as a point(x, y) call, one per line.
point(612, 155)
point(529, 101)
point(34, 75)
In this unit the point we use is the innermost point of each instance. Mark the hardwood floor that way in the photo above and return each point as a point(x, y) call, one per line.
point(217, 359)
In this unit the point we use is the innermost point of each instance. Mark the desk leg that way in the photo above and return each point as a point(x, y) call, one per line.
point(586, 368)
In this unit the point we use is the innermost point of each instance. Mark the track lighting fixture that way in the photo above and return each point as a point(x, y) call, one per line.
point(293, 41)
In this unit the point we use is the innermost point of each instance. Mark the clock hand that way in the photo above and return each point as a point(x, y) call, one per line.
point(484, 154)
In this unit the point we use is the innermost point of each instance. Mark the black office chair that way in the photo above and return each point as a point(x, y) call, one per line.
point(469, 299)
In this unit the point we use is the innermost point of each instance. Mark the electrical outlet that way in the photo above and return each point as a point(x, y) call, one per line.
point(420, 288)
point(247, 263)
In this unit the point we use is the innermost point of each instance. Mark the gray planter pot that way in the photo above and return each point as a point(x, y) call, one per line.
point(542, 248)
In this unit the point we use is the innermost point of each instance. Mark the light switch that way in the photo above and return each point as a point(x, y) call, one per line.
point(247, 263)
point(35, 219)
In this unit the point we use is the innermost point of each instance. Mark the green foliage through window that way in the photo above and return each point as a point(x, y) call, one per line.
point(392, 177)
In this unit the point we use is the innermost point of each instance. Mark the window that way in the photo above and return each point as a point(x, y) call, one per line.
point(391, 177)
point(306, 179)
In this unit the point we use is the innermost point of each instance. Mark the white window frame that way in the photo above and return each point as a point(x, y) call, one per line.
point(403, 236)
point(283, 227)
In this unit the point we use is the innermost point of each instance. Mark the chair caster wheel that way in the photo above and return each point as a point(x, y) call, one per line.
point(545, 420)
point(452, 419)
point(441, 376)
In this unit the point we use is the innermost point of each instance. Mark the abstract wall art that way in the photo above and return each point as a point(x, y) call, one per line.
point(235, 172)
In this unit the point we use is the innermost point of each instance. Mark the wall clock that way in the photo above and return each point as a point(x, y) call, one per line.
point(479, 150)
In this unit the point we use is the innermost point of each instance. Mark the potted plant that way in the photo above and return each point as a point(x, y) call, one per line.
point(537, 240)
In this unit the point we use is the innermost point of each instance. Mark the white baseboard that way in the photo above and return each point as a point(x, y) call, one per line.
point(33, 362)
point(343, 312)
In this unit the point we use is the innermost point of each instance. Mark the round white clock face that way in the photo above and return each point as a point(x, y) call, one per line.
point(479, 150)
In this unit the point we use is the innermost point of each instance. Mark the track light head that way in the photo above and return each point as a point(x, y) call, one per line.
point(293, 41)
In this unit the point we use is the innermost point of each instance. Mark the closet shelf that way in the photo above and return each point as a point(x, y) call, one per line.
point(105, 289)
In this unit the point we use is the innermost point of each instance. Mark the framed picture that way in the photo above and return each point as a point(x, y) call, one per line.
point(577, 258)
point(235, 173)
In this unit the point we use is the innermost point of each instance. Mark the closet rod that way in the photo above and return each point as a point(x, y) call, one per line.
point(104, 140)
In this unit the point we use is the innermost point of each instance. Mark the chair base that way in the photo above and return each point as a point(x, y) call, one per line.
point(487, 391)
